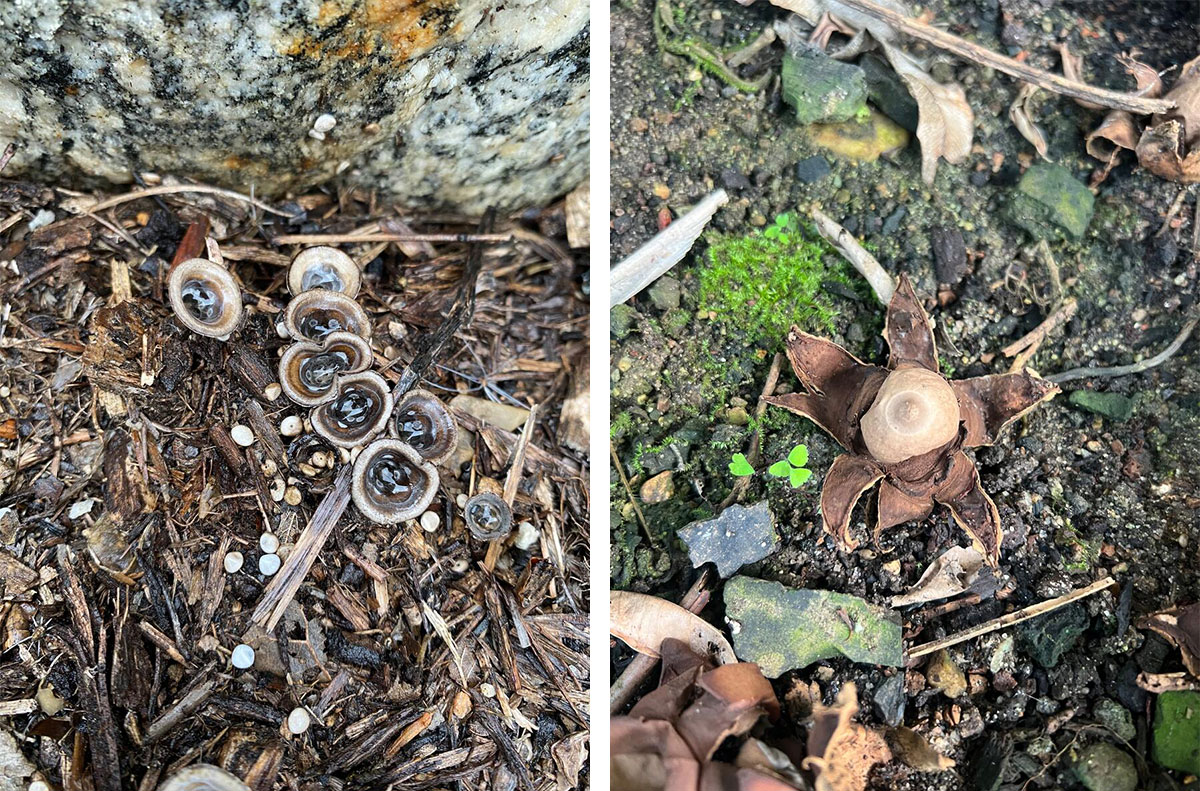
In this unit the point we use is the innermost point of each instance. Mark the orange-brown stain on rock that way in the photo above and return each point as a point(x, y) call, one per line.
point(400, 29)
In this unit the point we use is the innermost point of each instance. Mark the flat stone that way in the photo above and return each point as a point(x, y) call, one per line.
point(860, 142)
point(505, 416)
point(888, 92)
point(736, 537)
point(785, 628)
point(664, 293)
point(1177, 731)
point(658, 489)
point(1105, 767)
point(1113, 406)
point(889, 701)
point(949, 254)
point(621, 320)
point(1049, 636)
point(812, 169)
point(1050, 203)
point(438, 104)
point(821, 88)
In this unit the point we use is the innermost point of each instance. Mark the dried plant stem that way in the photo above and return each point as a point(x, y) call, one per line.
point(6, 157)
point(172, 189)
point(1056, 83)
point(287, 581)
point(353, 238)
point(867, 265)
point(642, 665)
point(1033, 611)
point(513, 480)
point(668, 247)
point(612, 449)
point(1027, 345)
point(1134, 368)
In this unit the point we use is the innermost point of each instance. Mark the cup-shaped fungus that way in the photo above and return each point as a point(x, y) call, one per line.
point(905, 426)
point(309, 371)
point(313, 314)
point(205, 297)
point(391, 483)
point(422, 421)
point(324, 267)
point(203, 777)
point(357, 412)
point(488, 516)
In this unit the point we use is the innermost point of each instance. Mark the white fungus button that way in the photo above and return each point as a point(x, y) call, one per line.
point(233, 562)
point(268, 564)
point(291, 426)
point(298, 721)
point(242, 435)
point(527, 536)
point(243, 656)
point(324, 123)
point(269, 543)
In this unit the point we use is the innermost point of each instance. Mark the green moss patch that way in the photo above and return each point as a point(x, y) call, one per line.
point(769, 280)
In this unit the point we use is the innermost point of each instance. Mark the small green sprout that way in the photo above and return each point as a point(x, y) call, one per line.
point(739, 466)
point(792, 467)
point(782, 230)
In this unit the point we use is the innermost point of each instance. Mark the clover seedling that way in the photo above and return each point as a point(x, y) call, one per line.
point(739, 466)
point(792, 467)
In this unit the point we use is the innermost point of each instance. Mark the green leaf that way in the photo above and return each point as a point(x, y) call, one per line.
point(780, 469)
point(799, 456)
point(739, 466)
point(772, 232)
point(798, 477)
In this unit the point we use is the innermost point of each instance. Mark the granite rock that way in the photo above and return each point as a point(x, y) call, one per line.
point(452, 104)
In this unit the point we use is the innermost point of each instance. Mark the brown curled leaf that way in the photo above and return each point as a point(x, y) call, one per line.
point(648, 755)
point(644, 622)
point(1021, 113)
point(896, 507)
point(1181, 626)
point(732, 699)
point(972, 509)
point(841, 752)
point(845, 483)
point(908, 331)
point(989, 404)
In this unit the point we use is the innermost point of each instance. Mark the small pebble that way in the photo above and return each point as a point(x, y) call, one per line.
point(291, 426)
point(278, 489)
point(233, 562)
point(527, 536)
point(269, 467)
point(488, 690)
point(269, 543)
point(5, 392)
point(291, 496)
point(322, 459)
point(243, 656)
point(298, 721)
point(460, 566)
point(268, 564)
point(324, 123)
point(242, 435)
point(461, 500)
point(430, 521)
point(272, 391)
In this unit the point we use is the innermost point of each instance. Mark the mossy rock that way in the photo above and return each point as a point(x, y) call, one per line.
point(1050, 203)
point(821, 88)
point(1104, 767)
point(1113, 406)
point(1177, 731)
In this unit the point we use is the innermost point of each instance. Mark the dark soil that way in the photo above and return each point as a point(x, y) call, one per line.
point(422, 660)
point(1080, 496)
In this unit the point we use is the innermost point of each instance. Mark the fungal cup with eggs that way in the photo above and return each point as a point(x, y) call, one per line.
point(324, 268)
point(358, 411)
point(315, 314)
point(205, 297)
point(309, 371)
point(391, 483)
point(422, 421)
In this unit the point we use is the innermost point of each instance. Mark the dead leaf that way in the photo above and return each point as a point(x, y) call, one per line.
point(840, 752)
point(1181, 626)
point(643, 622)
point(1170, 146)
point(914, 750)
point(945, 122)
point(949, 575)
point(1072, 68)
point(1021, 114)
point(766, 760)
point(1119, 130)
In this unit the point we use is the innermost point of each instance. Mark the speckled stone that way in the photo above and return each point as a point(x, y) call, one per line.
point(441, 104)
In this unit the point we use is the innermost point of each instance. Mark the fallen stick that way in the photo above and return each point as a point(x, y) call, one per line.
point(1134, 368)
point(354, 238)
point(642, 665)
point(666, 249)
point(1027, 345)
point(1056, 83)
point(171, 189)
point(867, 265)
point(1009, 619)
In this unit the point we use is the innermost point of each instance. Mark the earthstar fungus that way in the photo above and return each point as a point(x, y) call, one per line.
point(905, 426)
